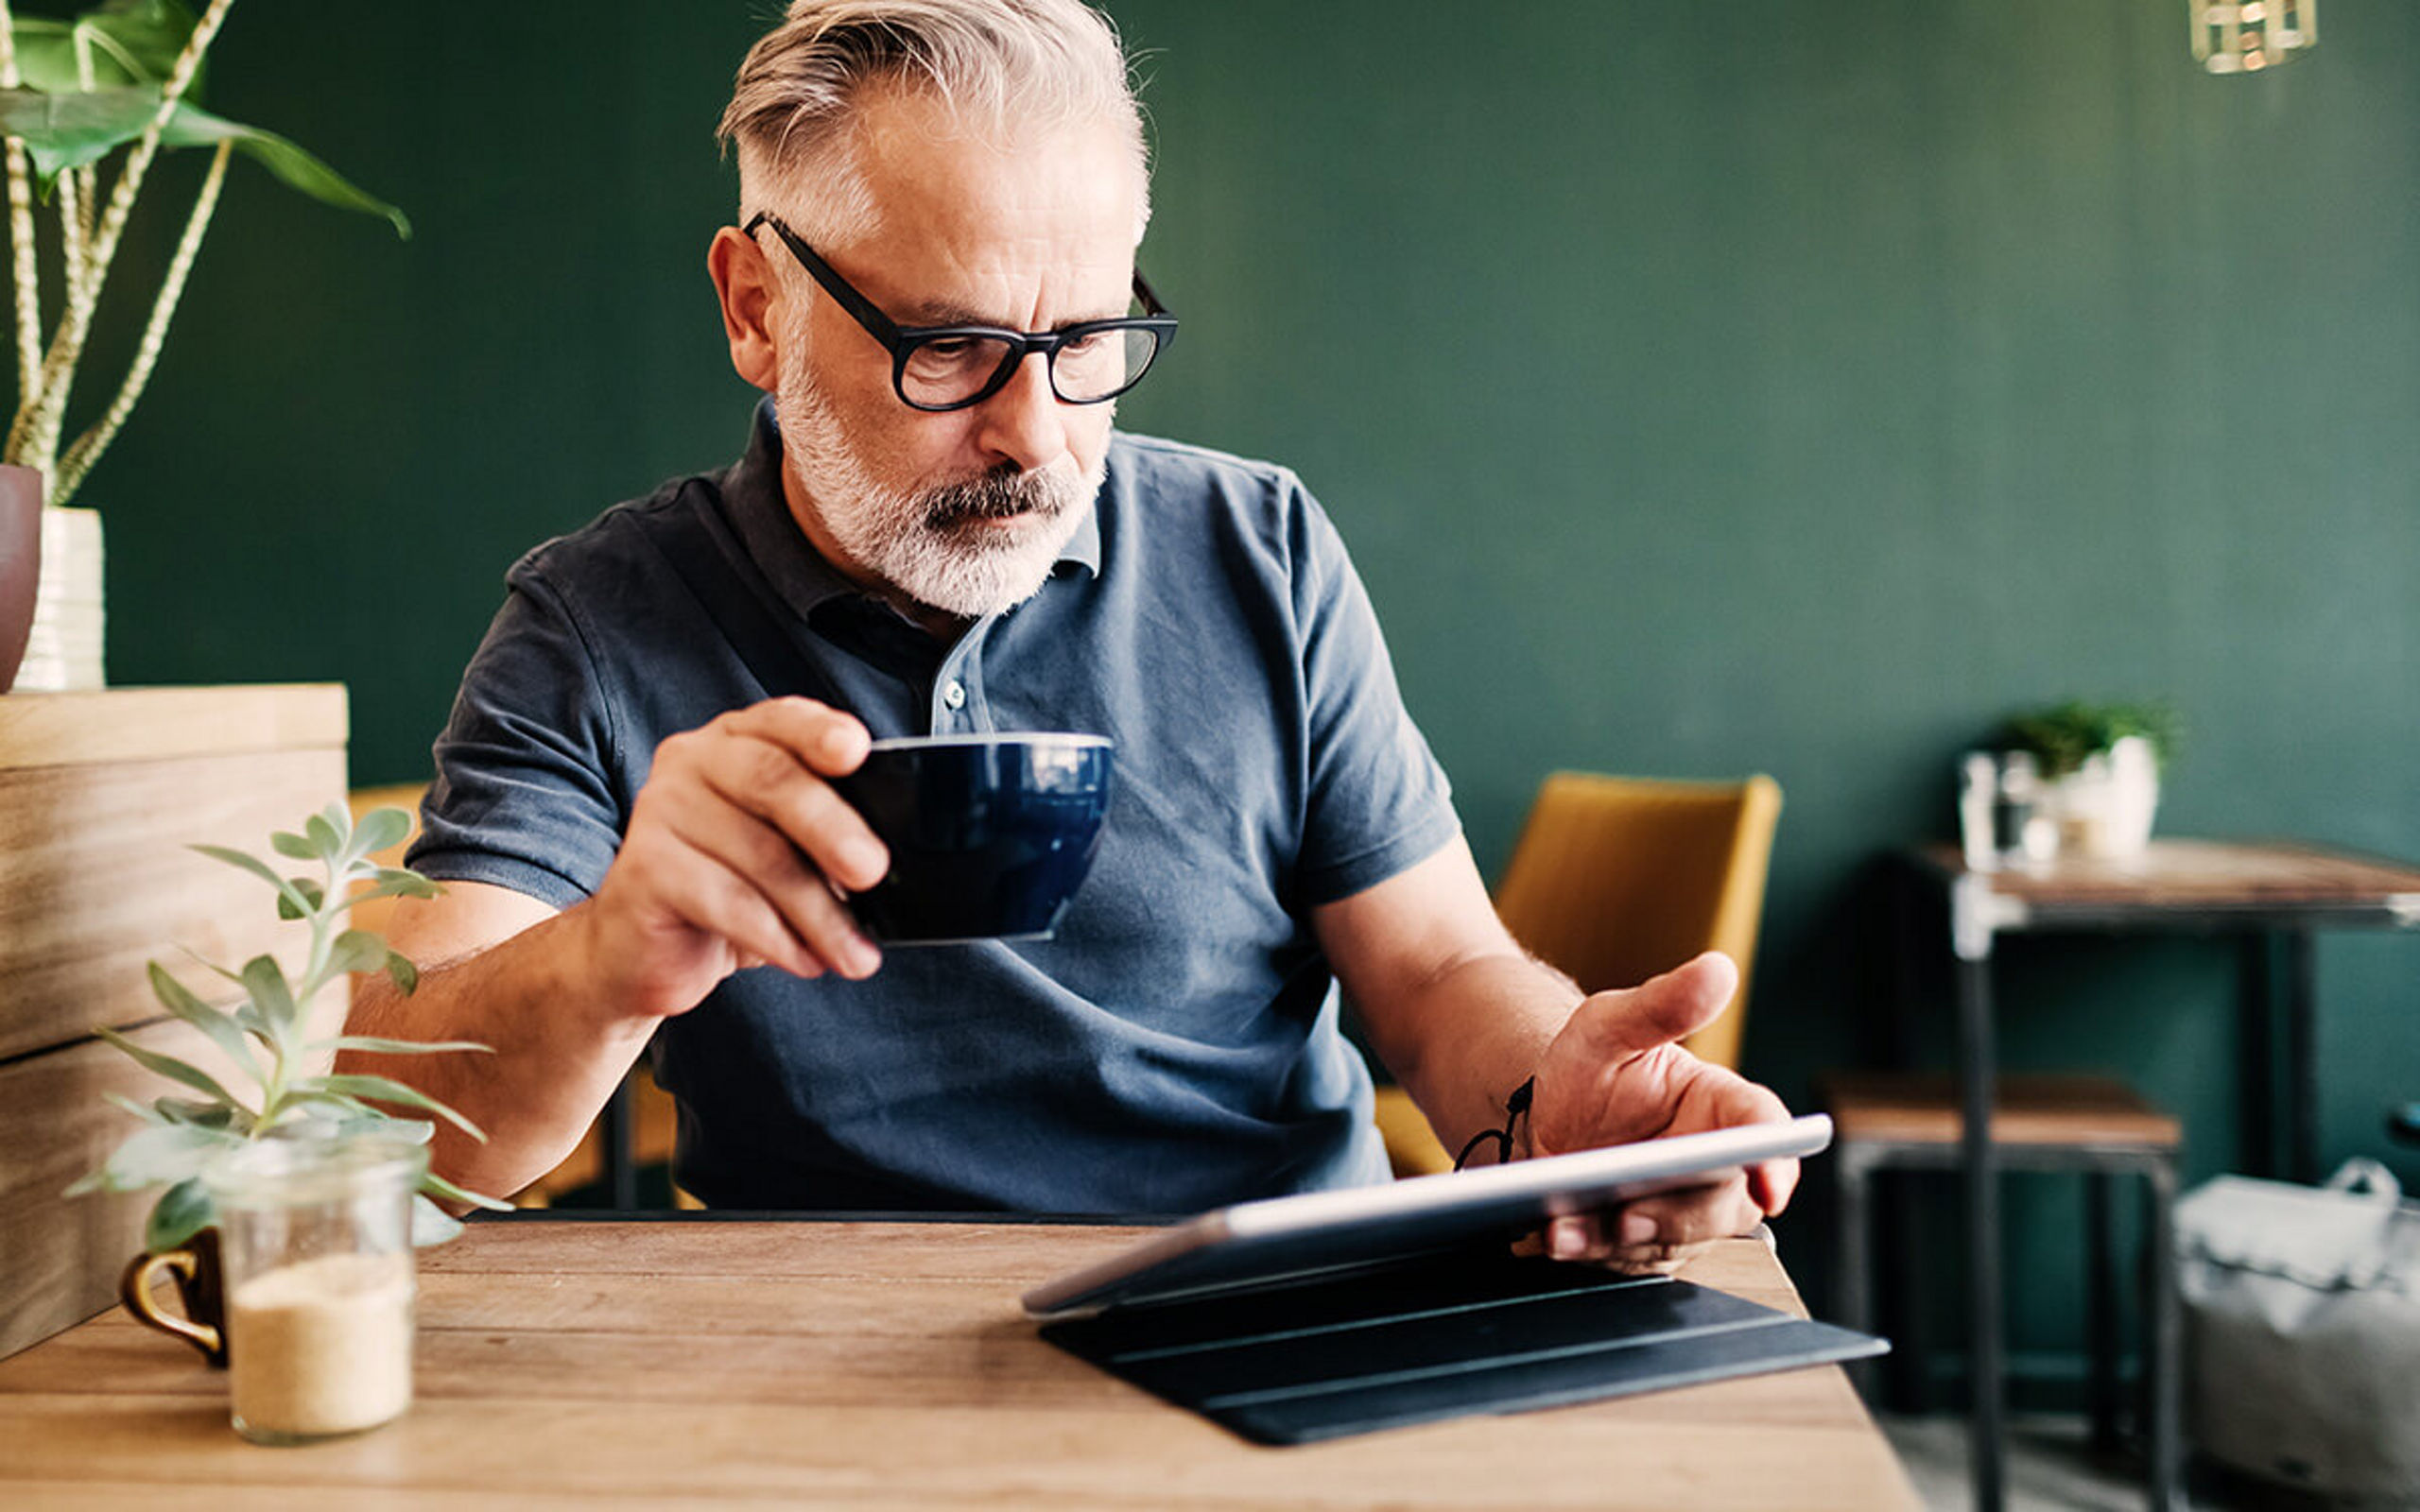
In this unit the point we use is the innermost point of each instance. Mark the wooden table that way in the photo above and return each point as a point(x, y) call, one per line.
point(2279, 892)
point(871, 1364)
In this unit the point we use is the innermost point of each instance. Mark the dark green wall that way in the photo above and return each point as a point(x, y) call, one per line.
point(1704, 388)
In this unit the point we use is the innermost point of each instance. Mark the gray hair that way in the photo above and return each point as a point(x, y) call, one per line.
point(1002, 67)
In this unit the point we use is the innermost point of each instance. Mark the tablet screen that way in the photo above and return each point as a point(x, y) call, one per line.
point(1284, 1239)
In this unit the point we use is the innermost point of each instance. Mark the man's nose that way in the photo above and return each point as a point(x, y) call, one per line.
point(1025, 422)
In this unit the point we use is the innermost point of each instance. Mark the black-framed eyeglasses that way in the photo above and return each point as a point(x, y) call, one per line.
point(940, 368)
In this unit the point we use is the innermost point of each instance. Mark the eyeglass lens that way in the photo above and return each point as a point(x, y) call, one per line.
point(1096, 366)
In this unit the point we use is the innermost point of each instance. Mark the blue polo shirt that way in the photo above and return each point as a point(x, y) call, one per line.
point(1175, 1046)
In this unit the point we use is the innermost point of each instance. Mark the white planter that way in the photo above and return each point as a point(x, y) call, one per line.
point(2105, 811)
point(63, 650)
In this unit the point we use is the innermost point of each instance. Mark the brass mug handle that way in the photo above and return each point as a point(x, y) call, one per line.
point(135, 1290)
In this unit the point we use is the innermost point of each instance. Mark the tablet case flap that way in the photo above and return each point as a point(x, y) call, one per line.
point(1440, 1337)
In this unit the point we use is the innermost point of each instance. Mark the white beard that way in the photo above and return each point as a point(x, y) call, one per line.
point(931, 543)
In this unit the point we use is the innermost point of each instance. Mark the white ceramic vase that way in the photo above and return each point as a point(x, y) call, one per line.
point(2105, 810)
point(64, 648)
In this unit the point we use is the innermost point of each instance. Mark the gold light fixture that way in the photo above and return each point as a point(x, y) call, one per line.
point(2245, 35)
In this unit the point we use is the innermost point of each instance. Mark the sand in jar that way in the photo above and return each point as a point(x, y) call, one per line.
point(322, 1348)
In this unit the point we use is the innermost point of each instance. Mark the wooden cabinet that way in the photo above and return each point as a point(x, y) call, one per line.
point(100, 795)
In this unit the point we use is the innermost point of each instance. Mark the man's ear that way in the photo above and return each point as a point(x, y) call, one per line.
point(744, 286)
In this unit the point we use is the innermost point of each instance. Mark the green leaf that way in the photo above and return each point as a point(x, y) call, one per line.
point(287, 843)
point(313, 893)
point(266, 981)
point(381, 827)
point(392, 882)
point(68, 130)
point(325, 841)
point(233, 977)
point(398, 1047)
point(253, 864)
point(192, 127)
point(388, 1089)
point(402, 972)
point(220, 1027)
point(63, 131)
point(203, 1115)
point(358, 950)
point(133, 41)
point(170, 1066)
point(437, 1184)
point(154, 1114)
point(183, 1211)
point(162, 1155)
point(248, 1015)
point(431, 1224)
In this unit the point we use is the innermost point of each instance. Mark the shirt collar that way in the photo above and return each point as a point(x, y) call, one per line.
point(753, 493)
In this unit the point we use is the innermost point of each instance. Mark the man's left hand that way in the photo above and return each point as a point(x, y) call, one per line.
point(1616, 1073)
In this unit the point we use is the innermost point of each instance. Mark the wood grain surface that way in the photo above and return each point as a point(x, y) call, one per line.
point(2204, 874)
point(710, 1364)
point(96, 873)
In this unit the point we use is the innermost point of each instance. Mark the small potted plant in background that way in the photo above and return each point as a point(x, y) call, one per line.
point(266, 1037)
point(111, 87)
point(2099, 766)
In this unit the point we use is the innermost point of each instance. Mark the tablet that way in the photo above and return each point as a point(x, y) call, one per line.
point(1286, 1239)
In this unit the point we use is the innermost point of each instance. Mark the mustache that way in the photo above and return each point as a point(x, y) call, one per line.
point(1002, 493)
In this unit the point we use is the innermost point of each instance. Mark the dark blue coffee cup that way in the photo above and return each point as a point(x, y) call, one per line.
point(990, 834)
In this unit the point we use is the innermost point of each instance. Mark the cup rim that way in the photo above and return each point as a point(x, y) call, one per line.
point(993, 737)
point(292, 1168)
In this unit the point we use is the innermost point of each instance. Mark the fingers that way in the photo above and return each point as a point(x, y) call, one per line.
point(1656, 1234)
point(760, 892)
point(737, 852)
point(1661, 1010)
point(714, 900)
point(773, 761)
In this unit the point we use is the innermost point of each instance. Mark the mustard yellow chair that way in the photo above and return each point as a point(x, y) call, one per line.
point(1615, 879)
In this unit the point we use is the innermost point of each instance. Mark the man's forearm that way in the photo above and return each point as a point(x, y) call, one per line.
point(1478, 1029)
point(559, 1054)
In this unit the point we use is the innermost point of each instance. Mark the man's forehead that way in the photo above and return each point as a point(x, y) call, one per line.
point(928, 174)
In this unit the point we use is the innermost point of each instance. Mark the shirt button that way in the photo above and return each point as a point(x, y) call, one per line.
point(954, 695)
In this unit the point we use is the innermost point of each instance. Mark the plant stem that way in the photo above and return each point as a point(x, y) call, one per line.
point(25, 274)
point(36, 432)
point(87, 449)
point(73, 217)
point(79, 189)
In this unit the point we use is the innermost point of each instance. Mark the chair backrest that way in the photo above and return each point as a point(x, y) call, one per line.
point(1617, 879)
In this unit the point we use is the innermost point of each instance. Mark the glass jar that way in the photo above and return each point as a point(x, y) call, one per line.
point(316, 1238)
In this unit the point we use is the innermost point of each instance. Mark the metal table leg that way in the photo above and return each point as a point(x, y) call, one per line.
point(2258, 1054)
point(1984, 1342)
point(2164, 1337)
point(2100, 1310)
point(2301, 1055)
point(621, 1166)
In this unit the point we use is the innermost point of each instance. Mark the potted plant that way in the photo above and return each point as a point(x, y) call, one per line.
point(2099, 766)
point(266, 1039)
point(107, 89)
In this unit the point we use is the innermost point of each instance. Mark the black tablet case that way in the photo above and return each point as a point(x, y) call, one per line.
point(1439, 1336)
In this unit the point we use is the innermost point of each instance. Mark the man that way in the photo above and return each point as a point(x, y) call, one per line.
point(940, 531)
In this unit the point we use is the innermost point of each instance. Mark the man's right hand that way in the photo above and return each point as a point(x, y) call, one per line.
point(738, 850)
